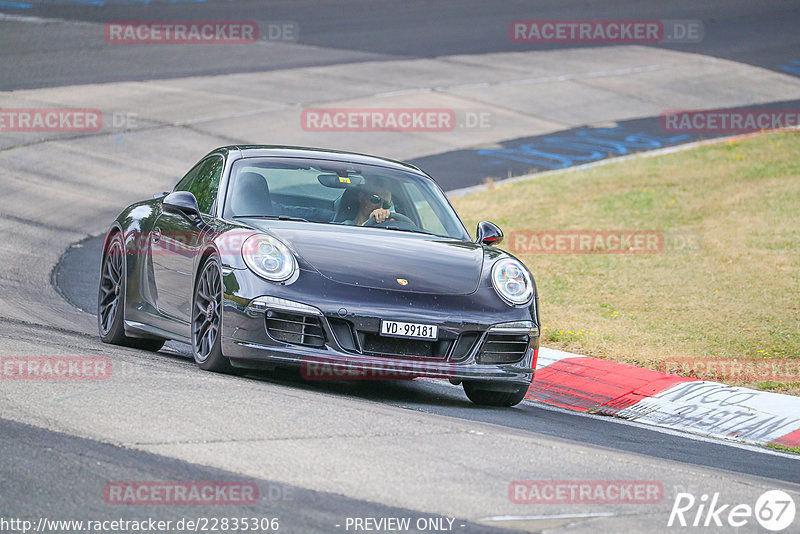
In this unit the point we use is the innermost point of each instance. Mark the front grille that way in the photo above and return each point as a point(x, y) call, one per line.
point(375, 345)
point(295, 328)
point(343, 333)
point(503, 348)
point(464, 344)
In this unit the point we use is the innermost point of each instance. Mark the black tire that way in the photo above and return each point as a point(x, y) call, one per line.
point(111, 301)
point(207, 318)
point(488, 394)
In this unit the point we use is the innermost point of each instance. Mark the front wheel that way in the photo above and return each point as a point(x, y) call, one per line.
point(488, 394)
point(111, 301)
point(207, 319)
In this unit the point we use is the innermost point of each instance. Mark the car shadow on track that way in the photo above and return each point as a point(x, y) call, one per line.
point(420, 392)
point(403, 392)
point(76, 277)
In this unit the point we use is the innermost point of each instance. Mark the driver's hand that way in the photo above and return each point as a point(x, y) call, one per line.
point(380, 215)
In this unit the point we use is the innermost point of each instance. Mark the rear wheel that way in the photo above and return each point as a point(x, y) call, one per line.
point(111, 301)
point(489, 394)
point(207, 319)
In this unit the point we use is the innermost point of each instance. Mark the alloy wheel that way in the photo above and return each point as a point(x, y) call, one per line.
point(207, 315)
point(111, 286)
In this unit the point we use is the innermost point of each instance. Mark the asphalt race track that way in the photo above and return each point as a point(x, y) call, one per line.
point(322, 452)
point(354, 30)
point(78, 287)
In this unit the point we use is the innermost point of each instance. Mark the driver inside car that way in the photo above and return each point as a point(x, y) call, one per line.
point(373, 202)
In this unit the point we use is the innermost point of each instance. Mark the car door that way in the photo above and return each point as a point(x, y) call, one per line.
point(176, 242)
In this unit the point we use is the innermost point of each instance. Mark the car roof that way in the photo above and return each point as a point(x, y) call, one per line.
point(251, 151)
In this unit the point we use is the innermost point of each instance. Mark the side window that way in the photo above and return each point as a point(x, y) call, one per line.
point(203, 181)
point(187, 180)
point(428, 217)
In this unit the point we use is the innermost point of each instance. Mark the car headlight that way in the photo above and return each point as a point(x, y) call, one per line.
point(512, 281)
point(268, 258)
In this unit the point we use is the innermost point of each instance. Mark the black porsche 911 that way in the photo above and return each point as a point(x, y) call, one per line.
point(346, 265)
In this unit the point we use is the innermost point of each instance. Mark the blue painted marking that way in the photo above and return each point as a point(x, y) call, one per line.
point(16, 5)
point(561, 151)
point(793, 67)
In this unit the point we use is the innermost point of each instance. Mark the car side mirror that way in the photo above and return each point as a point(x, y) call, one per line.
point(488, 234)
point(182, 202)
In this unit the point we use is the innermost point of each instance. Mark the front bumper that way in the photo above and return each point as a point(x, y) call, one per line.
point(339, 339)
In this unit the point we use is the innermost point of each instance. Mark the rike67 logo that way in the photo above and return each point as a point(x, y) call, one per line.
point(774, 510)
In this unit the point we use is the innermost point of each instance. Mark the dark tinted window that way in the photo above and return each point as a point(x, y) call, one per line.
point(203, 181)
point(334, 192)
point(183, 185)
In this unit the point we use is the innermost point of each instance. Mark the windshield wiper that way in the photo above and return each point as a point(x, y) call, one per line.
point(272, 217)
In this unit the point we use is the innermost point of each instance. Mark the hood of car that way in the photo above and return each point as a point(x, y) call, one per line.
point(385, 259)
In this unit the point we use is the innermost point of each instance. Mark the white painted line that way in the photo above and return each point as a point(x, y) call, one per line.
point(413, 91)
point(479, 85)
point(588, 75)
point(686, 434)
point(537, 517)
point(5, 17)
point(528, 81)
point(720, 410)
point(237, 115)
point(550, 356)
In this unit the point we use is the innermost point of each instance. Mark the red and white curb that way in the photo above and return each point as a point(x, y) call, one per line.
point(602, 387)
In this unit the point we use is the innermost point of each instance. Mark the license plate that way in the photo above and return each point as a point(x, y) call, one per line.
point(415, 330)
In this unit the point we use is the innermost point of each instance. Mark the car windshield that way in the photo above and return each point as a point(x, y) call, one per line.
point(331, 192)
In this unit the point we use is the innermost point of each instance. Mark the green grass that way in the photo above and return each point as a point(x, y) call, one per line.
point(784, 448)
point(726, 285)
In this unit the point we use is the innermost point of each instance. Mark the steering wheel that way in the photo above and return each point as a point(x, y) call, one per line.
point(392, 218)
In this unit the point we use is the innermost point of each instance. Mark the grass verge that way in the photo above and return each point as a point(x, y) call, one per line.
point(720, 300)
point(783, 448)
